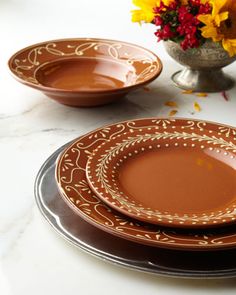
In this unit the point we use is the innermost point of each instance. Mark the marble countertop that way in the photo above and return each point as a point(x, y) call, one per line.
point(33, 258)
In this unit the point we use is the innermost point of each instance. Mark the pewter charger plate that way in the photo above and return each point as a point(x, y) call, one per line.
point(172, 263)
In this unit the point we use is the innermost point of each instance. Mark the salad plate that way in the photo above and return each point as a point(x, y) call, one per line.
point(168, 176)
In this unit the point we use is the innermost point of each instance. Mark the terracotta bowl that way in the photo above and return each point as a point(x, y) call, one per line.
point(85, 72)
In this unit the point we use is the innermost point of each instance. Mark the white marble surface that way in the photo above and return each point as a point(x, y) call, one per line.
point(33, 259)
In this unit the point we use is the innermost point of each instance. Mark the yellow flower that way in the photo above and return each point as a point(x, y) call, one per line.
point(142, 15)
point(166, 2)
point(230, 46)
point(146, 12)
point(220, 25)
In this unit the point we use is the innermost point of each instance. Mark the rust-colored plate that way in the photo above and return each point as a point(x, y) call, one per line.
point(74, 188)
point(167, 176)
point(85, 72)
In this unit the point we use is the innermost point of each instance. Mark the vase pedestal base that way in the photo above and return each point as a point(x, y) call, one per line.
point(202, 81)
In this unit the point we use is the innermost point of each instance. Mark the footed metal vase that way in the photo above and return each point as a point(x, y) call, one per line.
point(203, 67)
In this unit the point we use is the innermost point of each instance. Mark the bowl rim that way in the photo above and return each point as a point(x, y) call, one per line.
point(66, 91)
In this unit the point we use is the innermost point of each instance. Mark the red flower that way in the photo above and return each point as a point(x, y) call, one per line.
point(204, 9)
point(161, 8)
point(158, 20)
point(180, 22)
point(184, 14)
point(195, 2)
point(187, 28)
point(190, 41)
point(165, 33)
point(173, 5)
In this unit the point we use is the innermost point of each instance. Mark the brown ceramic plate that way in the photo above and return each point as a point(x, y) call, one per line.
point(85, 72)
point(169, 176)
point(75, 190)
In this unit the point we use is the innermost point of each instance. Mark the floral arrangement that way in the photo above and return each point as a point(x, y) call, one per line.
point(190, 22)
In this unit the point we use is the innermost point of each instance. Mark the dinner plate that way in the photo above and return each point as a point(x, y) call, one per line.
point(168, 176)
point(85, 72)
point(69, 225)
point(75, 190)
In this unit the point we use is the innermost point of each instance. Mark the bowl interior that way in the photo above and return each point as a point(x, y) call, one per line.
point(84, 65)
point(85, 74)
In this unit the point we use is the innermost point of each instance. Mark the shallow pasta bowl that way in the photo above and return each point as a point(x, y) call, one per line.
point(85, 72)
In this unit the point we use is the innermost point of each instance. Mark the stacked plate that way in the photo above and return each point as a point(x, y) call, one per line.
point(148, 194)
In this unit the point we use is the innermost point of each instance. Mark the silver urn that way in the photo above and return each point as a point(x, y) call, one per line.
point(202, 67)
